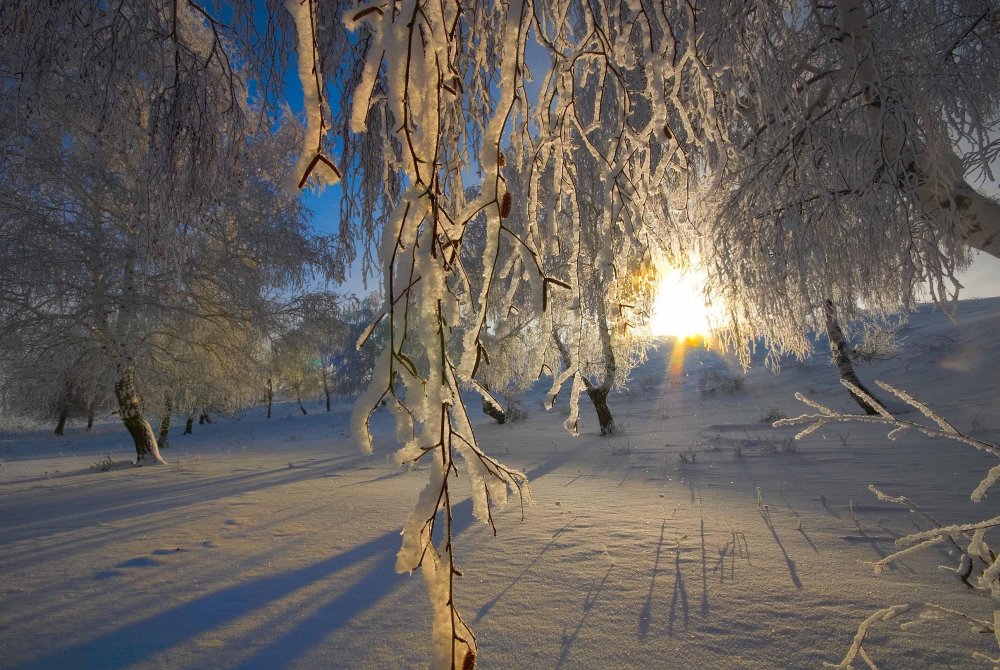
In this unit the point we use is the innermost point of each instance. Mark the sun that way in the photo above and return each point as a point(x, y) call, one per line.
point(679, 309)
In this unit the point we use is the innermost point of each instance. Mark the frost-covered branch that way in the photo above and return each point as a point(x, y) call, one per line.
point(941, 427)
point(978, 568)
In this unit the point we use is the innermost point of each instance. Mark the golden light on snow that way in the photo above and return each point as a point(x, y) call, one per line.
point(679, 309)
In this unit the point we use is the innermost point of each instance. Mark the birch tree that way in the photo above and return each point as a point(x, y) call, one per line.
point(138, 205)
point(852, 129)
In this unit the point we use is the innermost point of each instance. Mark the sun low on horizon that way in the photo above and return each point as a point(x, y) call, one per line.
point(679, 309)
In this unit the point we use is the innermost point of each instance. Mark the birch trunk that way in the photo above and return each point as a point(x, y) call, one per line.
point(162, 438)
point(492, 411)
point(61, 423)
point(126, 391)
point(270, 396)
point(841, 355)
point(130, 408)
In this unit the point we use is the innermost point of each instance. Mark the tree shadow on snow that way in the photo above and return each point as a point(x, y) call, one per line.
point(792, 571)
point(141, 639)
point(102, 502)
point(159, 632)
point(568, 640)
point(646, 615)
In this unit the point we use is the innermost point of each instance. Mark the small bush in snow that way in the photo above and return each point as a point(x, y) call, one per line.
point(649, 383)
point(106, 464)
point(622, 450)
point(768, 446)
point(714, 381)
point(773, 414)
point(978, 425)
point(516, 411)
point(877, 344)
point(688, 456)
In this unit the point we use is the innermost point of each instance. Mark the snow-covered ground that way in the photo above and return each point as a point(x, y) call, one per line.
point(270, 543)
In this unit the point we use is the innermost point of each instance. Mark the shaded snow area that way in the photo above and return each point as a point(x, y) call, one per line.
point(270, 543)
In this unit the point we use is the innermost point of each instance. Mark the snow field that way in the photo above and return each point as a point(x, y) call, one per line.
point(271, 543)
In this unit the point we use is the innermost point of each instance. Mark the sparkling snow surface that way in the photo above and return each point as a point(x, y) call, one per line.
point(270, 543)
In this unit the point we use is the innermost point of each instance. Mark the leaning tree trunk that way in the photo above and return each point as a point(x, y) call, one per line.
point(90, 418)
point(298, 397)
point(165, 422)
point(841, 356)
point(598, 394)
point(599, 397)
point(189, 425)
point(61, 423)
point(494, 412)
point(130, 408)
point(126, 390)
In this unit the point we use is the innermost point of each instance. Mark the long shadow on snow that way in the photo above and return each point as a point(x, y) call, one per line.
point(792, 571)
point(141, 639)
point(485, 609)
point(647, 608)
point(378, 582)
point(137, 641)
point(569, 639)
point(75, 508)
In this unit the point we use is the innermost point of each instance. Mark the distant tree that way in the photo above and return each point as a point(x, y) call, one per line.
point(306, 356)
point(143, 211)
point(52, 385)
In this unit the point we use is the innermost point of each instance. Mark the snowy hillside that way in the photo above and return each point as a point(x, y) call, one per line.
point(699, 538)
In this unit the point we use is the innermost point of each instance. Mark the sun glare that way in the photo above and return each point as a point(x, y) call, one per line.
point(679, 309)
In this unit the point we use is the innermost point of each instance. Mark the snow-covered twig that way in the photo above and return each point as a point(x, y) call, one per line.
point(942, 429)
point(922, 610)
point(978, 569)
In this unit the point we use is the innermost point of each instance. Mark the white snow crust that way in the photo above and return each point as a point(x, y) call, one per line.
point(272, 543)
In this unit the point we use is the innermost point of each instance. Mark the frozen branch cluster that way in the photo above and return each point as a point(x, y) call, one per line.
point(851, 129)
point(978, 565)
point(517, 169)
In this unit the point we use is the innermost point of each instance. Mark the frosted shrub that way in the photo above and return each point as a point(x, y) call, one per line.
point(772, 415)
point(877, 344)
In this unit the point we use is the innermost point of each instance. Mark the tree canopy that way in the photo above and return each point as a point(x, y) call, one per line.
point(512, 157)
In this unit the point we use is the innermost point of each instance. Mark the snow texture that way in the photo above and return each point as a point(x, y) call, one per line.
point(272, 543)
